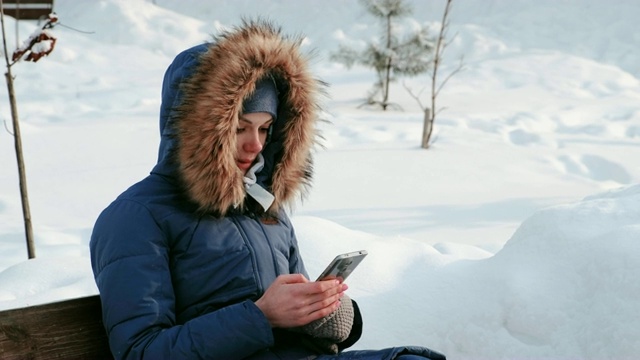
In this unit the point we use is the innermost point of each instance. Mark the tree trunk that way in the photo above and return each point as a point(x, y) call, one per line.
point(26, 211)
point(427, 128)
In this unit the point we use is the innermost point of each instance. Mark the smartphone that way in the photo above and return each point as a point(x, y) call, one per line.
point(342, 266)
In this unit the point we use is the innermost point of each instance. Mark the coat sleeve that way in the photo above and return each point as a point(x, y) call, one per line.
point(130, 261)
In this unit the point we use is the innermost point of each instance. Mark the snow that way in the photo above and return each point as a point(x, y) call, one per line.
point(515, 236)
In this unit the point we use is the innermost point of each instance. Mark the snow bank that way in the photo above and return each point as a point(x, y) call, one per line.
point(564, 285)
point(40, 281)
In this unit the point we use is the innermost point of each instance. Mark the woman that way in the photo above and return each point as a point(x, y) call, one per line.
point(199, 259)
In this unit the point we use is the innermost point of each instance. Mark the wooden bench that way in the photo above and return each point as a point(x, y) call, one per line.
point(70, 329)
point(27, 9)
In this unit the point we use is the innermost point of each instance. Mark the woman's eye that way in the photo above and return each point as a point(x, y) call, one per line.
point(264, 129)
point(239, 130)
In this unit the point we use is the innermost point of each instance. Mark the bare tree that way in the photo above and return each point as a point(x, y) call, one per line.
point(394, 56)
point(39, 44)
point(431, 112)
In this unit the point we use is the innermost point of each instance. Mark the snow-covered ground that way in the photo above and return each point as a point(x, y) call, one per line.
point(517, 235)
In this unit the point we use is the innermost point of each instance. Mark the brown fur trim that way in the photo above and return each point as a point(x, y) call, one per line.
point(207, 118)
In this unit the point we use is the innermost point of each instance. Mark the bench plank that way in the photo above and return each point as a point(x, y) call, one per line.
point(40, 3)
point(27, 14)
point(70, 329)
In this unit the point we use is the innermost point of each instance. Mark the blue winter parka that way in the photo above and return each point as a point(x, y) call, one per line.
point(180, 257)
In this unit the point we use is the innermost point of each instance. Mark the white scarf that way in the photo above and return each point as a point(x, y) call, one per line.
point(257, 192)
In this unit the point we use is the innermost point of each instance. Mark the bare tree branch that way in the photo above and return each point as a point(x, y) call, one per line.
point(416, 97)
point(7, 128)
point(459, 68)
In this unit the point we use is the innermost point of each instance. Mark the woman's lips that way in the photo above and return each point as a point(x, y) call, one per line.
point(244, 164)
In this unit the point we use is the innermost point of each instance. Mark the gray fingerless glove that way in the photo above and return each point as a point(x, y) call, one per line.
point(332, 329)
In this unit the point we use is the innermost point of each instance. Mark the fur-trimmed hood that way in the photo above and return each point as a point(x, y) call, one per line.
point(202, 95)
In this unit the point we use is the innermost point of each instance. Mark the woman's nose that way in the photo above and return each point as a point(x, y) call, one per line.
point(253, 144)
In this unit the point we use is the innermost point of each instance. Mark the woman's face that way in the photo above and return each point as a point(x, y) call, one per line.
point(251, 135)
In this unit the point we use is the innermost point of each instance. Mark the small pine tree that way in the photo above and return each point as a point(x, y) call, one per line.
point(394, 55)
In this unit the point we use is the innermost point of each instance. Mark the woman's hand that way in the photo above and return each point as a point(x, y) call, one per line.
point(292, 300)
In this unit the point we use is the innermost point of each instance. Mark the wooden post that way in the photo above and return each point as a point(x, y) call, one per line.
point(26, 210)
point(24, 196)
